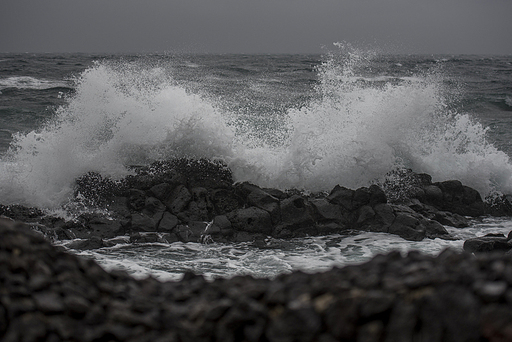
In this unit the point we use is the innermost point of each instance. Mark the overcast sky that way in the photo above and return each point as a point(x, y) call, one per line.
point(255, 26)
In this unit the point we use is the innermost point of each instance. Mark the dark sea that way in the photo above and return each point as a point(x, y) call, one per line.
point(309, 122)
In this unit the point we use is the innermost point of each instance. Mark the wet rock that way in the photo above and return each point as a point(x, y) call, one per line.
point(325, 212)
point(459, 199)
point(499, 205)
point(144, 223)
point(433, 194)
point(408, 226)
point(167, 223)
point(251, 220)
point(449, 219)
point(225, 201)
point(377, 195)
point(376, 219)
point(184, 234)
point(153, 206)
point(136, 199)
point(145, 238)
point(179, 199)
point(162, 191)
point(94, 242)
point(342, 196)
point(261, 199)
point(103, 227)
point(295, 214)
point(221, 225)
point(488, 243)
point(436, 230)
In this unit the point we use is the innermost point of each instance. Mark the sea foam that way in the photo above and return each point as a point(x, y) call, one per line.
point(353, 132)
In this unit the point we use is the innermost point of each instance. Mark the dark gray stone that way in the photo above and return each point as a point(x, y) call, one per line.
point(408, 227)
point(341, 196)
point(179, 199)
point(251, 220)
point(167, 223)
point(261, 199)
point(487, 244)
point(326, 211)
point(295, 214)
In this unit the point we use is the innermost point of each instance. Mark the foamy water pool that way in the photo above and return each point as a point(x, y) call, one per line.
point(312, 254)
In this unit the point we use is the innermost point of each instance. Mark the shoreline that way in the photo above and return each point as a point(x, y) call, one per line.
point(197, 201)
point(48, 294)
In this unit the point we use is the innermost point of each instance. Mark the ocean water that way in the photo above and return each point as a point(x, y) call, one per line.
point(287, 121)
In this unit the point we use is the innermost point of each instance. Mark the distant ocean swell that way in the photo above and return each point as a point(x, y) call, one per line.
point(354, 131)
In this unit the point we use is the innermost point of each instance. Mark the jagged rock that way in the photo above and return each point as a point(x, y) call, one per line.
point(168, 222)
point(93, 243)
point(136, 199)
point(449, 219)
point(251, 220)
point(341, 196)
point(488, 243)
point(460, 199)
point(295, 214)
point(103, 227)
point(377, 195)
point(197, 228)
point(261, 199)
point(153, 206)
point(276, 193)
point(179, 199)
point(119, 206)
point(407, 225)
point(221, 225)
point(435, 229)
point(143, 222)
point(376, 219)
point(225, 201)
point(324, 211)
point(161, 191)
point(184, 234)
point(499, 206)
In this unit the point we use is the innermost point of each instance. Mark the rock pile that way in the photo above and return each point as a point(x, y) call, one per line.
point(49, 295)
point(192, 200)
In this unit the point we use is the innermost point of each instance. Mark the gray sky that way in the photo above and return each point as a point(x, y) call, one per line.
point(255, 26)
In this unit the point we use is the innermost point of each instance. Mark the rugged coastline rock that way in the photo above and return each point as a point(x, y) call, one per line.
point(489, 243)
point(49, 295)
point(178, 199)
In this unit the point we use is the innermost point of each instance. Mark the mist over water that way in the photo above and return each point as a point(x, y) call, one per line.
point(354, 128)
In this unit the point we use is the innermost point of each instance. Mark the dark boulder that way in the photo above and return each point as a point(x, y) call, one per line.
point(167, 223)
point(325, 211)
point(225, 201)
point(488, 243)
point(341, 196)
point(101, 226)
point(500, 205)
point(251, 220)
point(263, 200)
point(295, 216)
point(94, 242)
point(459, 199)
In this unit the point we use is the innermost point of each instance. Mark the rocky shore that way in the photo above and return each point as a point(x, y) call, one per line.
point(197, 200)
point(47, 294)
